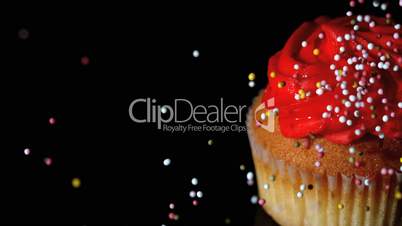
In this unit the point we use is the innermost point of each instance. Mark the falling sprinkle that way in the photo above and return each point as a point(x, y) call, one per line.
point(85, 60)
point(340, 206)
point(48, 161)
point(52, 121)
point(166, 162)
point(210, 142)
point(251, 76)
point(196, 53)
point(194, 181)
point(76, 182)
point(27, 151)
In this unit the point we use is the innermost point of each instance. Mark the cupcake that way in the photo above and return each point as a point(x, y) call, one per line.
point(326, 134)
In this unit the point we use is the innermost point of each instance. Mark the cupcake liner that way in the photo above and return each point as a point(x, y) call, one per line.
point(332, 200)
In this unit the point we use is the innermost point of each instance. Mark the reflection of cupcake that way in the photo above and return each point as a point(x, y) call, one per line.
point(326, 135)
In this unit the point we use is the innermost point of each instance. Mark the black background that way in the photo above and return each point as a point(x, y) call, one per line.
point(135, 51)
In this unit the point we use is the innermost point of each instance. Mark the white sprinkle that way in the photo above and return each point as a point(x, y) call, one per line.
point(251, 84)
point(337, 109)
point(377, 128)
point(381, 135)
point(329, 108)
point(397, 26)
point(385, 118)
point(199, 194)
point(339, 39)
point(376, 3)
point(356, 27)
point(296, 67)
point(380, 91)
point(384, 6)
point(166, 162)
point(192, 194)
point(400, 105)
point(384, 100)
point(299, 194)
point(254, 199)
point(266, 186)
point(349, 13)
point(325, 115)
point(194, 181)
point(366, 182)
point(317, 164)
point(342, 119)
point(372, 24)
point(395, 68)
point(348, 104)
point(341, 49)
point(304, 44)
point(367, 18)
point(321, 35)
point(337, 57)
point(352, 150)
point(395, 35)
point(370, 46)
point(347, 37)
point(369, 100)
point(332, 66)
point(319, 91)
point(358, 132)
point(352, 98)
point(27, 151)
point(196, 53)
point(359, 18)
point(349, 122)
point(356, 113)
point(250, 175)
point(302, 187)
point(263, 116)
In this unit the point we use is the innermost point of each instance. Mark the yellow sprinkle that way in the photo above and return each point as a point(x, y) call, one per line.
point(316, 52)
point(210, 142)
point(400, 159)
point(273, 74)
point(318, 84)
point(76, 182)
point(251, 76)
point(340, 206)
point(398, 195)
point(281, 84)
point(302, 93)
point(267, 113)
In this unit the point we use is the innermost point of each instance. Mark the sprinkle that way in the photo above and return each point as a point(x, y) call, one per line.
point(266, 186)
point(299, 194)
point(250, 175)
point(272, 177)
point(192, 194)
point(358, 182)
point(385, 118)
point(195, 202)
point(400, 105)
point(251, 84)
point(366, 182)
point(342, 119)
point(171, 206)
point(254, 199)
point(27, 151)
point(304, 44)
point(281, 84)
point(370, 46)
point(398, 195)
point(48, 161)
point(352, 150)
point(351, 160)
point(272, 74)
point(319, 91)
point(316, 52)
point(242, 167)
point(251, 76)
point(52, 121)
point(358, 132)
point(377, 128)
point(317, 164)
point(340, 206)
point(261, 202)
point(339, 39)
point(210, 142)
point(196, 53)
point(296, 67)
point(199, 194)
point(321, 35)
point(384, 171)
point(166, 162)
point(302, 187)
point(76, 182)
point(194, 181)
point(337, 57)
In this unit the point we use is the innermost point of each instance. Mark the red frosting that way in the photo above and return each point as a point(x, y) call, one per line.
point(339, 78)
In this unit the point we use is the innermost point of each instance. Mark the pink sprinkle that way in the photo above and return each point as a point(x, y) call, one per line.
point(388, 15)
point(52, 121)
point(390, 171)
point(387, 187)
point(172, 216)
point(195, 203)
point(48, 161)
point(358, 182)
point(84, 60)
point(357, 164)
point(352, 3)
point(257, 124)
point(384, 171)
point(261, 202)
point(321, 154)
point(361, 1)
point(317, 164)
point(171, 206)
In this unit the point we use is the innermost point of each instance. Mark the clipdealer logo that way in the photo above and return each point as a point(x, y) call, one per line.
point(183, 116)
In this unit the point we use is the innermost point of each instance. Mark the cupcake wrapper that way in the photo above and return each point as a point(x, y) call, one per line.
point(333, 200)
